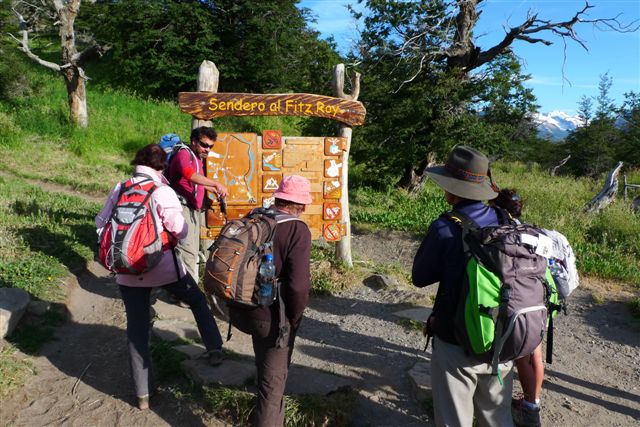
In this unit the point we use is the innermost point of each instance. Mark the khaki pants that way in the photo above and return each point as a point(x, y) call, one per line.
point(189, 247)
point(463, 387)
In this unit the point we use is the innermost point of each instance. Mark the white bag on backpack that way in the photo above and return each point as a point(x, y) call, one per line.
point(562, 253)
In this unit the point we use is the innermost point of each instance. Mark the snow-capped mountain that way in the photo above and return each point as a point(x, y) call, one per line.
point(556, 124)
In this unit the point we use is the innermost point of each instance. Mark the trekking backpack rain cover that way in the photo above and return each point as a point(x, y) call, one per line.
point(132, 241)
point(507, 293)
point(235, 256)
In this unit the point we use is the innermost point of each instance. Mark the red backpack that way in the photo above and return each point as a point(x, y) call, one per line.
point(133, 239)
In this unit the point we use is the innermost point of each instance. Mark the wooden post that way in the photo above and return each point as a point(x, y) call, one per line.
point(343, 247)
point(208, 79)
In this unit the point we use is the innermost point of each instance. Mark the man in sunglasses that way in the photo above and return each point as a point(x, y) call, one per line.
point(186, 175)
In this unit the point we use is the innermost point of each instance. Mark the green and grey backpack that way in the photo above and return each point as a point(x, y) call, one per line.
point(508, 294)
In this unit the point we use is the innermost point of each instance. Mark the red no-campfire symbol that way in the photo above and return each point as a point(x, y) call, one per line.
point(331, 232)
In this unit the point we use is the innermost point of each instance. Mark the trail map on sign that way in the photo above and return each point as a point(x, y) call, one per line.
point(232, 161)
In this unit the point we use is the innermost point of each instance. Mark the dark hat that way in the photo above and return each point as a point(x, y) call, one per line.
point(465, 174)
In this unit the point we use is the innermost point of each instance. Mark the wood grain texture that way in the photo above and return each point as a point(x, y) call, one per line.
point(207, 105)
point(252, 172)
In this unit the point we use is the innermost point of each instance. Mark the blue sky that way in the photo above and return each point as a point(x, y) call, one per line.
point(609, 52)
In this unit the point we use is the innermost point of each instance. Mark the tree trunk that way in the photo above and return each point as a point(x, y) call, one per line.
point(554, 170)
point(77, 96)
point(415, 179)
point(73, 73)
point(343, 247)
point(608, 192)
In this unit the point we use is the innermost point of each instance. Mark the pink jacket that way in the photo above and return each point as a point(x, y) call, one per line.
point(169, 211)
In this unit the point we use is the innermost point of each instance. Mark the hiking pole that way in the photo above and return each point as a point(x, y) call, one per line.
point(223, 207)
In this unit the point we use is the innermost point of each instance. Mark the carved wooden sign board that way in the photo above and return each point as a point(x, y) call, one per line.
point(209, 105)
point(251, 166)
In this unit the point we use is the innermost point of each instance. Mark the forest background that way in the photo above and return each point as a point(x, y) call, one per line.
point(151, 49)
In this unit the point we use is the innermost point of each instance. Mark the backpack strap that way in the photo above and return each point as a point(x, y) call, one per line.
point(144, 175)
point(164, 234)
point(465, 222)
point(176, 177)
point(284, 329)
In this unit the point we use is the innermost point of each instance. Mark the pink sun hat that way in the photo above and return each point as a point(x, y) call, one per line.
point(294, 188)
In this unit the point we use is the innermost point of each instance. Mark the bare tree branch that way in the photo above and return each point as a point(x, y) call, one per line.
point(24, 46)
point(462, 52)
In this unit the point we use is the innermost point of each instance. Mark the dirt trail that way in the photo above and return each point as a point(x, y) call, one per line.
point(82, 377)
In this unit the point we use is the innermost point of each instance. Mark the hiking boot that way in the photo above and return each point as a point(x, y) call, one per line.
point(214, 357)
point(143, 402)
point(524, 415)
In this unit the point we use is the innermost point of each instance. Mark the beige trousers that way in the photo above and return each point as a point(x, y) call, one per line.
point(462, 388)
point(189, 247)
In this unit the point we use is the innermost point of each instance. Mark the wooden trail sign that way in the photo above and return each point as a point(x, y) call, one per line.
point(208, 105)
point(251, 166)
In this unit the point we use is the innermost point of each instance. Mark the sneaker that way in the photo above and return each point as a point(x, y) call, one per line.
point(524, 415)
point(215, 357)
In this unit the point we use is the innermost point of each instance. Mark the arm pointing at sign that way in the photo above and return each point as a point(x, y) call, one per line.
point(186, 174)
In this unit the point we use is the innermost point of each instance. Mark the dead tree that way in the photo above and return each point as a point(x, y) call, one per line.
point(63, 14)
point(607, 194)
point(462, 53)
point(554, 169)
point(418, 178)
point(343, 247)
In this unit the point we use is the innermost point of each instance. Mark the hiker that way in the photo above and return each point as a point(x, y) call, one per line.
point(463, 386)
point(291, 252)
point(526, 409)
point(169, 274)
point(186, 175)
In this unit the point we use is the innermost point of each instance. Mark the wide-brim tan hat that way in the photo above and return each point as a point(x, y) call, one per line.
point(465, 174)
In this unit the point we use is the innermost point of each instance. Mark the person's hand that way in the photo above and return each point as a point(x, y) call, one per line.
point(427, 327)
point(220, 190)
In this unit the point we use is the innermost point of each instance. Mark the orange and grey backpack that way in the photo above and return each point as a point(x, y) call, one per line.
point(234, 258)
point(231, 273)
point(133, 240)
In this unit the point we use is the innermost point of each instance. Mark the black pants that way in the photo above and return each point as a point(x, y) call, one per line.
point(137, 306)
point(272, 366)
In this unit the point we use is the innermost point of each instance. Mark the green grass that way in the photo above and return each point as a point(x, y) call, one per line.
point(38, 139)
point(166, 361)
point(411, 325)
point(329, 275)
point(44, 236)
point(236, 406)
point(14, 369)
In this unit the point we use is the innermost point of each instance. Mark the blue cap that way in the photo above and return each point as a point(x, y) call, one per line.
point(268, 257)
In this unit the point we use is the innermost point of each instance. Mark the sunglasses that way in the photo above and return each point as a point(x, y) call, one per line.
point(205, 145)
